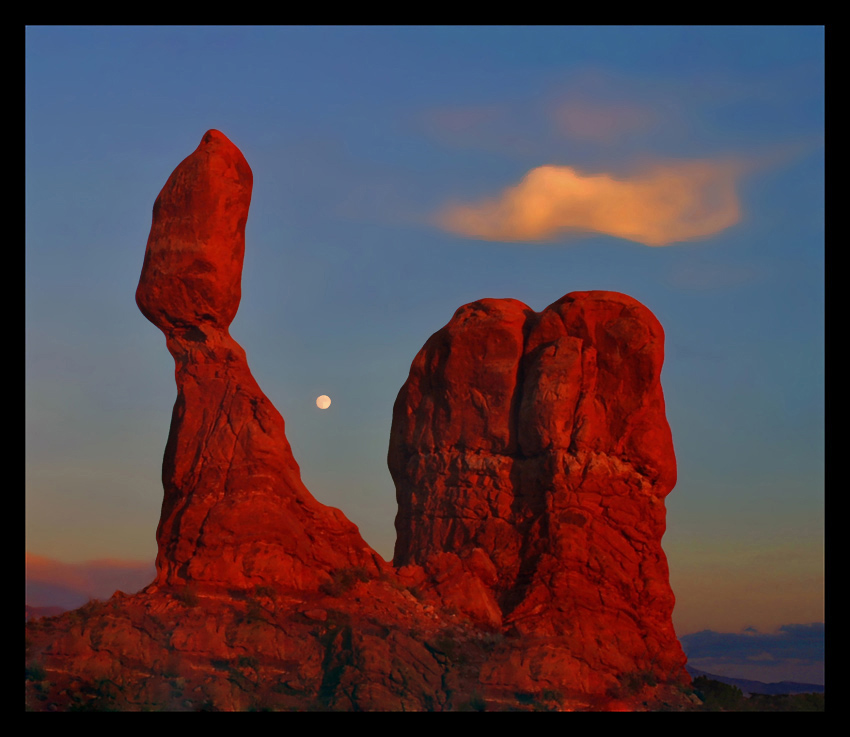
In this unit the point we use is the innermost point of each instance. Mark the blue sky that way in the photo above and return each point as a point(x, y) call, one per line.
point(361, 140)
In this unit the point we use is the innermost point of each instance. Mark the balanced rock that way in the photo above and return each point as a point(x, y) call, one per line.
point(235, 512)
point(531, 457)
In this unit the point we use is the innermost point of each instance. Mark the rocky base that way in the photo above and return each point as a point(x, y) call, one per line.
point(359, 644)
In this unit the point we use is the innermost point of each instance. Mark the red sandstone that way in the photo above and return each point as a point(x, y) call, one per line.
point(235, 512)
point(531, 457)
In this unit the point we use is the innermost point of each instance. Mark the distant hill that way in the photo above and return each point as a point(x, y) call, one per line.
point(70, 585)
point(34, 612)
point(749, 687)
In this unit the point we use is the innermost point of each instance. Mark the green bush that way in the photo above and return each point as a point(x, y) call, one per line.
point(35, 672)
point(718, 696)
point(474, 703)
point(632, 682)
point(786, 702)
point(552, 695)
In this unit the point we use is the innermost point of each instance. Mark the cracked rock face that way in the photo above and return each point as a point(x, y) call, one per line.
point(235, 512)
point(531, 457)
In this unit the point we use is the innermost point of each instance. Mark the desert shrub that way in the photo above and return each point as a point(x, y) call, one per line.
point(552, 695)
point(444, 644)
point(474, 703)
point(254, 611)
point(240, 680)
point(98, 696)
point(633, 682)
point(537, 701)
point(491, 640)
point(187, 596)
point(287, 687)
point(96, 632)
point(35, 672)
point(172, 666)
point(337, 619)
point(93, 704)
point(344, 580)
point(717, 696)
point(785, 702)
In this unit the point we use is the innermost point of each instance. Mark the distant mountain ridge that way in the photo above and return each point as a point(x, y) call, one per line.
point(51, 582)
point(34, 612)
point(750, 687)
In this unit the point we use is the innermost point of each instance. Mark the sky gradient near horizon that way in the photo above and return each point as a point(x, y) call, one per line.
point(400, 172)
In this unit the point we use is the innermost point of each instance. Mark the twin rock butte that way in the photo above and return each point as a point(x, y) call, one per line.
point(531, 457)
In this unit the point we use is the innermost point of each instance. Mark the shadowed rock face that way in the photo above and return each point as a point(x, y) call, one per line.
point(531, 456)
point(235, 512)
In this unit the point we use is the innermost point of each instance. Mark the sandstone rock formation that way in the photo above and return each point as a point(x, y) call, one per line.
point(235, 512)
point(531, 457)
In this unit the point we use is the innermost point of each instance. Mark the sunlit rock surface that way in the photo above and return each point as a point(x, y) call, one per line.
point(531, 457)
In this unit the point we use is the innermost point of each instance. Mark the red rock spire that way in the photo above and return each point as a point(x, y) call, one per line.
point(235, 512)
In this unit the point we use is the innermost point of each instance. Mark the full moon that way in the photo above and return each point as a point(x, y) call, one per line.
point(323, 402)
